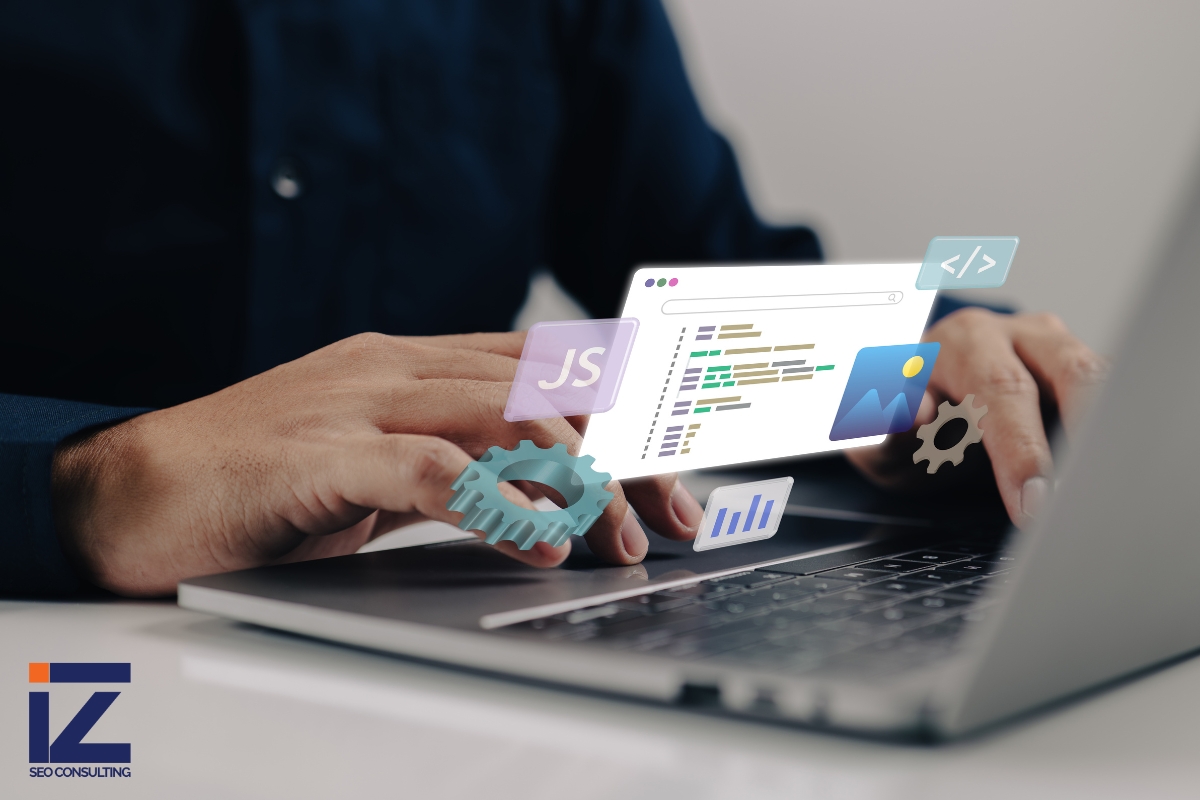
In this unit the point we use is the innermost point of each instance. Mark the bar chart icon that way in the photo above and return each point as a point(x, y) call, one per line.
point(744, 512)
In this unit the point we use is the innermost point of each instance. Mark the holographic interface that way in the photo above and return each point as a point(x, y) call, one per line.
point(884, 391)
point(967, 262)
point(745, 512)
point(570, 368)
point(747, 363)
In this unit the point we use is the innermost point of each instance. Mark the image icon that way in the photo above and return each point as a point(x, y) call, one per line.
point(744, 512)
point(884, 390)
point(570, 368)
point(967, 262)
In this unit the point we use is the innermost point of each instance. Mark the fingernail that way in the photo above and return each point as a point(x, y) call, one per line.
point(1033, 496)
point(686, 509)
point(633, 538)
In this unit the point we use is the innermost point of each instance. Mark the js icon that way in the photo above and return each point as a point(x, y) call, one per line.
point(583, 362)
point(68, 747)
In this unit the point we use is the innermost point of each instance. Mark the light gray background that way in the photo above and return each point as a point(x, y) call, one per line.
point(1073, 125)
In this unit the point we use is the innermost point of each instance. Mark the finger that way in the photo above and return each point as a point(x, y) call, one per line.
point(665, 505)
point(468, 413)
point(505, 344)
point(617, 537)
point(427, 362)
point(1014, 435)
point(404, 473)
point(1070, 370)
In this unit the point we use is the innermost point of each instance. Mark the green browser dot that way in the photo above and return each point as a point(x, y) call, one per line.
point(662, 281)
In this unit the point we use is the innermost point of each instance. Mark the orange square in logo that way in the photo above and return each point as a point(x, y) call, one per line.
point(39, 672)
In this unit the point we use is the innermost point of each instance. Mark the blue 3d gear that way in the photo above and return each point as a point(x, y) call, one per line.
point(478, 498)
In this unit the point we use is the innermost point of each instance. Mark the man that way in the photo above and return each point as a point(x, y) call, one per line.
point(205, 206)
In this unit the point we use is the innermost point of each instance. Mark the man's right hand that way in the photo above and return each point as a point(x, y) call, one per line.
point(314, 458)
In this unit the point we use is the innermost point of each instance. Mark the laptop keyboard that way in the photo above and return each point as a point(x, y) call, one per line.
point(875, 617)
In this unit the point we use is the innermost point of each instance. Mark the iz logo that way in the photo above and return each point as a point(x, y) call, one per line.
point(548, 385)
point(68, 747)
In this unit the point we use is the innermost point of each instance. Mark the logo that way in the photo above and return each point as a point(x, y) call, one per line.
point(744, 512)
point(68, 746)
point(967, 262)
point(570, 368)
point(884, 390)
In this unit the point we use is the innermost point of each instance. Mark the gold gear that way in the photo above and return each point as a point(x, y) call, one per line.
point(946, 412)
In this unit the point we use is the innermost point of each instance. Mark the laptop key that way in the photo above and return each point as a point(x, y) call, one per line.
point(893, 566)
point(902, 586)
point(930, 557)
point(858, 574)
point(939, 577)
point(747, 580)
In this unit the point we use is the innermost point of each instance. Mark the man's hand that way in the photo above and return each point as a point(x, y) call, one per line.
point(1015, 365)
point(314, 458)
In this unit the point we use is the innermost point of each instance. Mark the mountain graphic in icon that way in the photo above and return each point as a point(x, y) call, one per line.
point(869, 418)
point(898, 372)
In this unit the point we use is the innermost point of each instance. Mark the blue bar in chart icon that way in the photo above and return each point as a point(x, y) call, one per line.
point(744, 512)
point(967, 262)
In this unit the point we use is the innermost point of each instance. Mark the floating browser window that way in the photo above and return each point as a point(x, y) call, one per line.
point(737, 364)
point(745, 512)
point(967, 262)
point(570, 368)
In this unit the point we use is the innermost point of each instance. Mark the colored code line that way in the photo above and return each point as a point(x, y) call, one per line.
point(674, 428)
point(693, 426)
point(762, 365)
point(756, 380)
point(781, 347)
point(685, 450)
point(716, 385)
point(736, 327)
point(824, 367)
point(699, 353)
point(707, 328)
point(788, 363)
point(715, 400)
point(744, 335)
point(756, 373)
point(732, 407)
point(744, 350)
point(719, 369)
point(666, 453)
point(805, 377)
point(701, 410)
point(794, 370)
point(728, 383)
point(703, 337)
point(714, 352)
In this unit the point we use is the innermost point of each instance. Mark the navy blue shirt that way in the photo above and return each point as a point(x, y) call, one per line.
point(194, 191)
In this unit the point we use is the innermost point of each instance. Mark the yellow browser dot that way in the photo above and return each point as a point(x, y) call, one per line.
point(913, 366)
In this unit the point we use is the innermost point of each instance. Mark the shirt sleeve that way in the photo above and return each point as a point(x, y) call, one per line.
point(640, 176)
point(31, 560)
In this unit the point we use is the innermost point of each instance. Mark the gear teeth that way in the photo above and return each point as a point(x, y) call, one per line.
point(927, 433)
point(484, 509)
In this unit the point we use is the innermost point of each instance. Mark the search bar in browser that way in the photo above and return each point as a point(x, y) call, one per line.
point(787, 302)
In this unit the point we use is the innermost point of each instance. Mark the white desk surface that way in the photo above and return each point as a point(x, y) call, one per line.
point(219, 710)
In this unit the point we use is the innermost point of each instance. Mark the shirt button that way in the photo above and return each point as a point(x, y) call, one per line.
point(285, 180)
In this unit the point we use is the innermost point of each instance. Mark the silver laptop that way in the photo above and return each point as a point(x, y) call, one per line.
point(850, 618)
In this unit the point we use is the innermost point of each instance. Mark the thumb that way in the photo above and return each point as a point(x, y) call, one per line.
point(406, 473)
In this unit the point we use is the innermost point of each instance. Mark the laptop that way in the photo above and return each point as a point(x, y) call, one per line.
point(912, 619)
